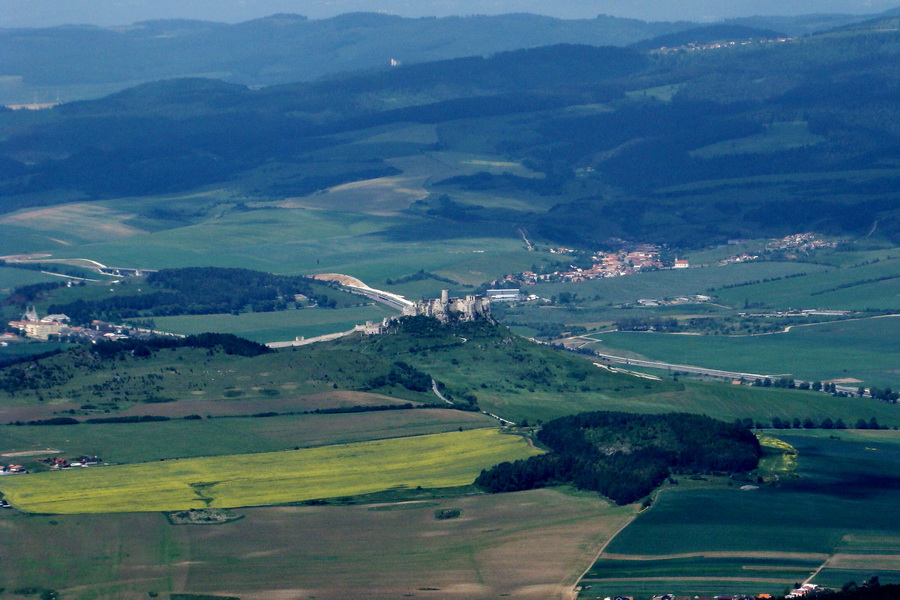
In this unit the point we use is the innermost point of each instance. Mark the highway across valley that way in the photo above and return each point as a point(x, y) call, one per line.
point(653, 364)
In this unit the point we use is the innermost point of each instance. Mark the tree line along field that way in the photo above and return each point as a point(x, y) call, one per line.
point(834, 510)
point(434, 461)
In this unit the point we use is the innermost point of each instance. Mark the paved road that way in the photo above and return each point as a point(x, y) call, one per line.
point(306, 341)
point(709, 372)
point(683, 368)
point(437, 392)
point(392, 300)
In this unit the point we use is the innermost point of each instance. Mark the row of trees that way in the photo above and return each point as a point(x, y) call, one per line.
point(225, 342)
point(826, 423)
point(883, 394)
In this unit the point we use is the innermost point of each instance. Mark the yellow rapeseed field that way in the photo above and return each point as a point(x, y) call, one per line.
point(432, 461)
point(779, 458)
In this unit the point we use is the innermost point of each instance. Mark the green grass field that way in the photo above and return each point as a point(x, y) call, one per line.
point(442, 460)
point(825, 289)
point(18, 349)
point(180, 438)
point(839, 505)
point(12, 278)
point(861, 349)
point(777, 137)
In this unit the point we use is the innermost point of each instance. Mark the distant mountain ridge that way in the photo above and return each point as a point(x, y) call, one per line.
point(80, 61)
point(281, 48)
point(42, 13)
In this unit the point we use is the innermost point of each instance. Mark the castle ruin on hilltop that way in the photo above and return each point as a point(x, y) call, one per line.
point(445, 308)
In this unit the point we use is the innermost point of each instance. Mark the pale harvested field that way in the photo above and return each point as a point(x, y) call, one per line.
point(389, 195)
point(199, 405)
point(237, 406)
point(90, 221)
point(528, 545)
point(379, 196)
point(875, 562)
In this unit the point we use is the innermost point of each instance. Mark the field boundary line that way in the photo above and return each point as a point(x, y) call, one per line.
point(788, 328)
point(817, 571)
point(573, 591)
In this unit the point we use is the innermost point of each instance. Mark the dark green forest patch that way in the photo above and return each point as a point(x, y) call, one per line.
point(626, 456)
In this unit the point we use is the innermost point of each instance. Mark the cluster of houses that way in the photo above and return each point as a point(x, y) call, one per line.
point(674, 597)
point(692, 299)
point(12, 470)
point(801, 242)
point(807, 590)
point(697, 46)
point(806, 312)
point(737, 258)
point(603, 264)
point(35, 327)
point(58, 463)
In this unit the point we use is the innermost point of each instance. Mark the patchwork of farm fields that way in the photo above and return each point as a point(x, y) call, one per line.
point(433, 461)
point(837, 511)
